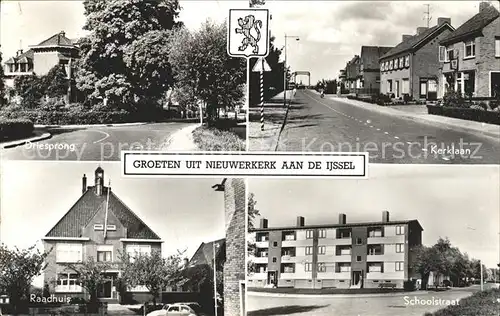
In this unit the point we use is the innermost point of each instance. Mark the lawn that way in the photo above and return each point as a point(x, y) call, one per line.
point(212, 139)
point(485, 303)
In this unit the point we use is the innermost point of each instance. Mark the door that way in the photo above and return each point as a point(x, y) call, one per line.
point(397, 89)
point(356, 278)
point(494, 83)
point(423, 89)
point(272, 277)
point(104, 290)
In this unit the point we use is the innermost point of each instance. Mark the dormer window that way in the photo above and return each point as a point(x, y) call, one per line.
point(98, 227)
point(407, 61)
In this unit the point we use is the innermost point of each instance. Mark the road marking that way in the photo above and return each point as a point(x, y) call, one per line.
point(100, 140)
point(378, 129)
point(396, 137)
point(386, 133)
point(410, 143)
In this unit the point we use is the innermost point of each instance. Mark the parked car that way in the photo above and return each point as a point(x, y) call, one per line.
point(179, 309)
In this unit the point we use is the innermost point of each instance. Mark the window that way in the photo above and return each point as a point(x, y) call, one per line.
point(322, 233)
point(274, 259)
point(375, 267)
point(399, 266)
point(391, 65)
point(345, 268)
point(275, 244)
point(442, 53)
point(104, 253)
point(407, 61)
point(309, 250)
point(389, 85)
point(405, 86)
point(321, 267)
point(138, 250)
point(400, 248)
point(400, 230)
point(98, 227)
point(358, 258)
point(68, 282)
point(322, 250)
point(111, 227)
point(497, 47)
point(449, 54)
point(470, 49)
point(382, 66)
point(69, 253)
point(309, 234)
point(401, 63)
point(359, 241)
point(174, 309)
point(308, 267)
point(377, 79)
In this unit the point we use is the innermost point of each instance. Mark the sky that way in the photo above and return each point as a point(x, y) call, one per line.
point(36, 195)
point(331, 32)
point(458, 202)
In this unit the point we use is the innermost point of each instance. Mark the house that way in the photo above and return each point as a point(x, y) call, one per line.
point(101, 226)
point(470, 56)
point(342, 255)
point(369, 69)
point(205, 254)
point(412, 67)
point(352, 73)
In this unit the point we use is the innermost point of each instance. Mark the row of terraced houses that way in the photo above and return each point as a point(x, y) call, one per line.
point(426, 65)
point(342, 255)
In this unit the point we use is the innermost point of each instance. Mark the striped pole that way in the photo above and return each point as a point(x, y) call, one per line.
point(262, 97)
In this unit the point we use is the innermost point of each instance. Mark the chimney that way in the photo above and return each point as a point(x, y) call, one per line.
point(406, 37)
point(62, 34)
point(421, 29)
point(99, 181)
point(342, 219)
point(263, 223)
point(19, 52)
point(483, 5)
point(385, 217)
point(186, 262)
point(300, 221)
point(84, 184)
point(444, 20)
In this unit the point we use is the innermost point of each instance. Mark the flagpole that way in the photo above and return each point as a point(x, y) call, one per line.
point(106, 215)
point(215, 279)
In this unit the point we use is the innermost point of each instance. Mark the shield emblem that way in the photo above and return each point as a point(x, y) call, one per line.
point(248, 33)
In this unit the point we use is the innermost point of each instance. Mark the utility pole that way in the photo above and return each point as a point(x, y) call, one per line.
point(428, 16)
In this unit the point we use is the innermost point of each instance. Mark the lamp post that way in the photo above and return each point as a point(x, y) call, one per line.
point(284, 69)
point(480, 262)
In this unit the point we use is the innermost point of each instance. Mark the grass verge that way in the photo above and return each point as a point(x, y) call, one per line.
point(483, 303)
point(212, 139)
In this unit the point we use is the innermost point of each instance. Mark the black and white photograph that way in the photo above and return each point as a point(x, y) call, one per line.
point(409, 83)
point(420, 241)
point(78, 239)
point(84, 80)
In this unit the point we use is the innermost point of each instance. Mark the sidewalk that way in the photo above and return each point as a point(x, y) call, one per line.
point(267, 294)
point(274, 119)
point(90, 125)
point(489, 130)
point(182, 140)
point(24, 141)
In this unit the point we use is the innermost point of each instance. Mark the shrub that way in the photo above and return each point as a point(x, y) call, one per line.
point(406, 98)
point(410, 285)
point(478, 107)
point(480, 303)
point(453, 99)
point(15, 128)
point(77, 300)
point(212, 139)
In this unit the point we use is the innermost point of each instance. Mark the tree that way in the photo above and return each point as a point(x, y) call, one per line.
point(256, 3)
point(55, 82)
point(200, 278)
point(120, 58)
point(30, 89)
point(2, 83)
point(251, 247)
point(200, 61)
point(18, 268)
point(152, 271)
point(91, 277)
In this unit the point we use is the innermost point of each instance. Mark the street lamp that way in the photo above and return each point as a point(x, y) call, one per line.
point(480, 263)
point(284, 69)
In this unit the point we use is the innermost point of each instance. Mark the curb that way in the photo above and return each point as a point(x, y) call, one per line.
point(283, 125)
point(427, 121)
point(44, 136)
point(267, 294)
point(90, 125)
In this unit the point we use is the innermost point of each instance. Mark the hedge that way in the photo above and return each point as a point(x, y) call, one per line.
point(473, 114)
point(15, 128)
point(483, 303)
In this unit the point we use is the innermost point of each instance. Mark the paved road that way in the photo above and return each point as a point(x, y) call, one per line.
point(327, 125)
point(95, 144)
point(386, 305)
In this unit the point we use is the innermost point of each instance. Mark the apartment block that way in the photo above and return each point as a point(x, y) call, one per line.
point(342, 255)
point(470, 56)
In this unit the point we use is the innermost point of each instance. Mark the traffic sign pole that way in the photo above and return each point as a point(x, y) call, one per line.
point(262, 97)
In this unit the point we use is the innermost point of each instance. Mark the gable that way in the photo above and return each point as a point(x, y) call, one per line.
point(99, 218)
point(86, 207)
point(370, 56)
point(472, 26)
point(205, 254)
point(58, 39)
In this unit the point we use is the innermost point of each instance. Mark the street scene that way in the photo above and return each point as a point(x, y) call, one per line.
point(79, 82)
point(422, 241)
point(406, 91)
point(107, 245)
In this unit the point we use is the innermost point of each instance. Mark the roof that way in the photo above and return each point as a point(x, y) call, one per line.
point(370, 56)
point(82, 212)
point(28, 55)
point(58, 39)
point(473, 25)
point(413, 41)
point(347, 225)
point(205, 253)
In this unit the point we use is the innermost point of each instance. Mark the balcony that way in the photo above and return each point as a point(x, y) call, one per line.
point(385, 275)
point(398, 239)
point(395, 256)
point(260, 259)
point(257, 276)
point(262, 244)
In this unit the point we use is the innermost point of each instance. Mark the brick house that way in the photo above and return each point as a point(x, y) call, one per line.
point(412, 67)
point(369, 69)
point(342, 255)
point(352, 74)
point(101, 226)
point(470, 56)
point(235, 264)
